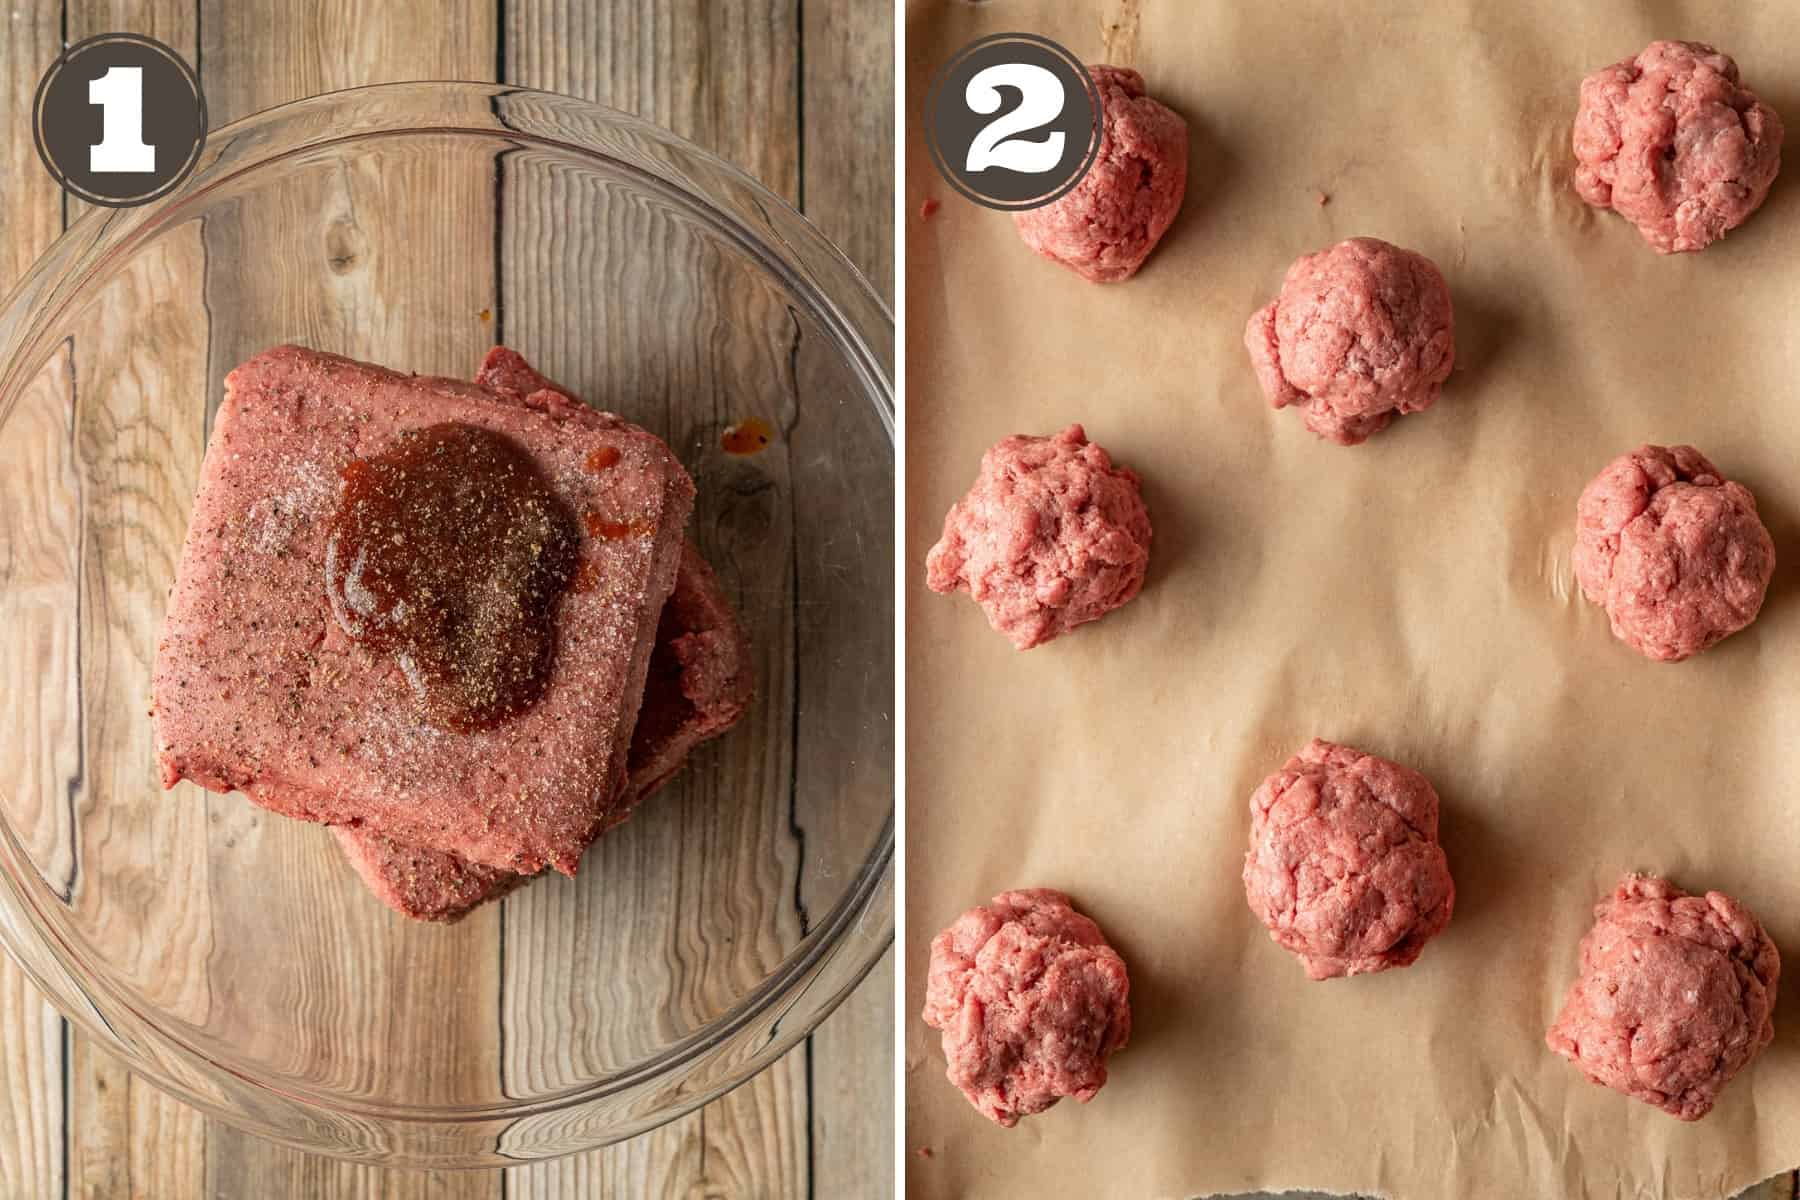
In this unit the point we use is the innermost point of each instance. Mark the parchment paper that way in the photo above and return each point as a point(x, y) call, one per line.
point(1412, 596)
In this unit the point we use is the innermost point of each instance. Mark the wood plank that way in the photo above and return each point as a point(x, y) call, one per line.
point(130, 1139)
point(848, 189)
point(31, 1112)
point(125, 1136)
point(108, 661)
point(138, 890)
point(725, 76)
point(32, 215)
point(32, 1132)
point(278, 1171)
point(377, 265)
point(260, 53)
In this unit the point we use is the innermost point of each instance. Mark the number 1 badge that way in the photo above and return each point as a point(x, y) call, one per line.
point(119, 119)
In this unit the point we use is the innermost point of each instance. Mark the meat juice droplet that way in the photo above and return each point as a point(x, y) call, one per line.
point(448, 553)
point(747, 436)
point(601, 458)
point(610, 530)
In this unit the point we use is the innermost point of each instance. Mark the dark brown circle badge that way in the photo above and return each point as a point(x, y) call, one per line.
point(1010, 121)
point(119, 119)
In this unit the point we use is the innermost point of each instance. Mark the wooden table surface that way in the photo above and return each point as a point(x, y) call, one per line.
point(818, 1123)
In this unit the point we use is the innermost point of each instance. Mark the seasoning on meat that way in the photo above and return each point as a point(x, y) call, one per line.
point(1051, 535)
point(1361, 333)
point(257, 688)
point(1344, 866)
point(449, 553)
point(1031, 1000)
point(1675, 553)
point(1108, 223)
point(1676, 995)
point(699, 685)
point(1675, 144)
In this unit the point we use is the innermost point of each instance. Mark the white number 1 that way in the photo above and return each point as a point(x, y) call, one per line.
point(1041, 101)
point(120, 95)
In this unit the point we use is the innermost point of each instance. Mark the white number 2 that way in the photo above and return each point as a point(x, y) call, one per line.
point(120, 95)
point(1042, 103)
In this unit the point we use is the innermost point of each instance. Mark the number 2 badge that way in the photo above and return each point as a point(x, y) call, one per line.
point(1010, 121)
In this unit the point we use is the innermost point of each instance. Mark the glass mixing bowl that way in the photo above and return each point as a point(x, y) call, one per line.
point(230, 955)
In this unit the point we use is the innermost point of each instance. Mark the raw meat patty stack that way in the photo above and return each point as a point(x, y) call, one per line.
point(259, 689)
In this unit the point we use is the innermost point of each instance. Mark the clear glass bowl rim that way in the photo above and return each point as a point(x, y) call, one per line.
point(763, 225)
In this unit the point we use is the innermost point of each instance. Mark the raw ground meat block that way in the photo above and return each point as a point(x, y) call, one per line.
point(1344, 866)
point(699, 684)
point(1672, 142)
point(1051, 536)
point(1675, 553)
point(258, 689)
point(1361, 333)
point(1031, 1000)
point(506, 371)
point(1107, 224)
point(1676, 995)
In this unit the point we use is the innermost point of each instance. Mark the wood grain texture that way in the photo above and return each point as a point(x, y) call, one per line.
point(731, 78)
point(154, 917)
point(725, 76)
point(33, 1134)
point(124, 1136)
point(353, 238)
point(847, 189)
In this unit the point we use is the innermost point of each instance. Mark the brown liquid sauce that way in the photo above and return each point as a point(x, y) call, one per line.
point(747, 436)
point(449, 552)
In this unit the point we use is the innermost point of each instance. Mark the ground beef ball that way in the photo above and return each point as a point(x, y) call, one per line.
point(1344, 864)
point(1360, 333)
point(1031, 1001)
point(1676, 995)
point(1674, 553)
point(1052, 535)
point(1106, 225)
point(1672, 142)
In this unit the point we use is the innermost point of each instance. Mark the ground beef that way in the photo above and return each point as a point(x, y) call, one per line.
point(1674, 553)
point(1344, 865)
point(1360, 333)
point(699, 684)
point(257, 688)
point(1672, 142)
point(1052, 535)
point(1676, 995)
point(1106, 225)
point(1031, 1001)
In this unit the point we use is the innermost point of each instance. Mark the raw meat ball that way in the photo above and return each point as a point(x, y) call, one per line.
point(1052, 535)
point(1031, 1001)
point(1106, 225)
point(1675, 554)
point(1360, 332)
point(1676, 995)
point(1672, 142)
point(1344, 864)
